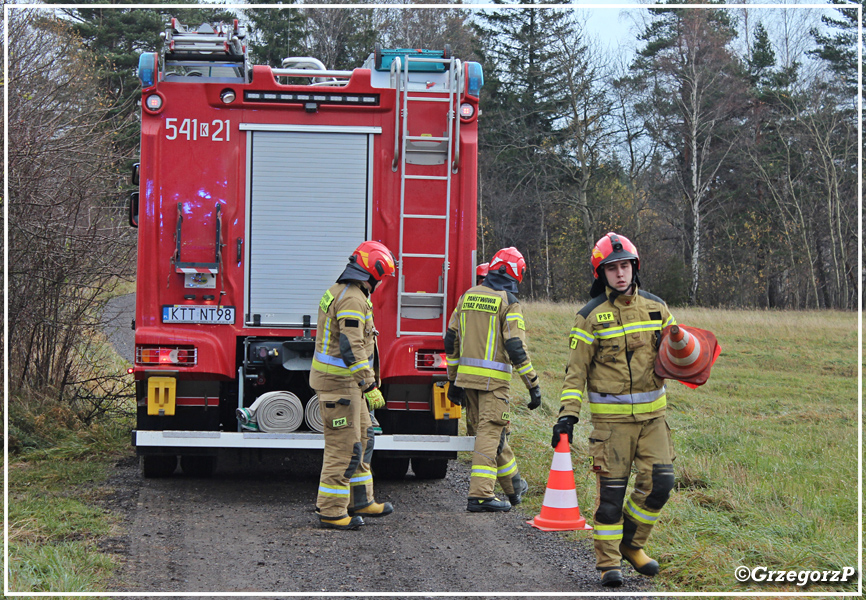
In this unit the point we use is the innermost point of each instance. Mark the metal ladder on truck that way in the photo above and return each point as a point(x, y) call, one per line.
point(212, 52)
point(419, 150)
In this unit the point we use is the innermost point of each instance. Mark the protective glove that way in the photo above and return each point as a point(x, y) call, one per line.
point(374, 397)
point(457, 395)
point(563, 425)
point(534, 397)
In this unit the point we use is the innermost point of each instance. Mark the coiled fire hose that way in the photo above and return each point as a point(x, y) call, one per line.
point(273, 412)
point(313, 415)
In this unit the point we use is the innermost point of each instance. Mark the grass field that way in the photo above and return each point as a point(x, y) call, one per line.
point(54, 523)
point(767, 463)
point(766, 468)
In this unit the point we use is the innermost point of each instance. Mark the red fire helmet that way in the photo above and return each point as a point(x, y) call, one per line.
point(513, 261)
point(481, 270)
point(611, 248)
point(375, 258)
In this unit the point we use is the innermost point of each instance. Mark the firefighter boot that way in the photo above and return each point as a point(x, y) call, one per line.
point(345, 522)
point(642, 563)
point(611, 578)
point(488, 505)
point(520, 488)
point(375, 509)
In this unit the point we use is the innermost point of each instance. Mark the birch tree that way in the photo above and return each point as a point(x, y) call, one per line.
point(691, 87)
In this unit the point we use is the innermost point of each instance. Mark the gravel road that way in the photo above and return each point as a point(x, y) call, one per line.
point(251, 528)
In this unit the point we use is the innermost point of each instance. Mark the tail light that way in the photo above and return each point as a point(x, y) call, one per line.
point(184, 356)
point(430, 360)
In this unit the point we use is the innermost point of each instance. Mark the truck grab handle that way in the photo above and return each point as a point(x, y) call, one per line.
point(395, 74)
point(310, 73)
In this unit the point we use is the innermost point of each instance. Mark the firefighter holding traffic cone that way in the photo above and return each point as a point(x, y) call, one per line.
point(613, 349)
point(345, 377)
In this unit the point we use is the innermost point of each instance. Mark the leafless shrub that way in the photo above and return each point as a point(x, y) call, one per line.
point(68, 248)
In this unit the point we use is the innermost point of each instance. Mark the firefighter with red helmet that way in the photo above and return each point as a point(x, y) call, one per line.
point(485, 343)
point(481, 272)
point(614, 344)
point(345, 377)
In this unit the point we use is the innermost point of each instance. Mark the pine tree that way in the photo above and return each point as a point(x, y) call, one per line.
point(838, 48)
point(523, 104)
point(274, 33)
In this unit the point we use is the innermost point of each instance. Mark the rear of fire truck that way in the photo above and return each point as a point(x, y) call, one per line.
point(255, 186)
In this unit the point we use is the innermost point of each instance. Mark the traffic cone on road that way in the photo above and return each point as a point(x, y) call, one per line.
point(686, 354)
point(559, 509)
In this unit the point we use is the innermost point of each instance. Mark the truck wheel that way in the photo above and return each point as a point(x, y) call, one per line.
point(198, 466)
point(430, 468)
point(389, 468)
point(157, 465)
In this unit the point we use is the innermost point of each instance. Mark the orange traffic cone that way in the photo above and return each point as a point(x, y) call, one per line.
point(686, 354)
point(559, 509)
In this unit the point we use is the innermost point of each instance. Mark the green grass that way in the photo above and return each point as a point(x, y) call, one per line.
point(54, 523)
point(56, 469)
point(767, 450)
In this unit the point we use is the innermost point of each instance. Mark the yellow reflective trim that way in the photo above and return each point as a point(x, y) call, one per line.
point(627, 409)
point(569, 394)
point(642, 326)
point(327, 336)
point(491, 338)
point(524, 370)
point(641, 515)
point(518, 318)
point(581, 335)
point(335, 492)
point(350, 313)
point(612, 332)
point(600, 535)
point(330, 369)
point(462, 331)
point(482, 372)
point(508, 468)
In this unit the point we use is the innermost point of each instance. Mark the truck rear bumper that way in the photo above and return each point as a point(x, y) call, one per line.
point(279, 441)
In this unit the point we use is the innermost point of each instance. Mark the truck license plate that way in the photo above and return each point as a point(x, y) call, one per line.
point(191, 313)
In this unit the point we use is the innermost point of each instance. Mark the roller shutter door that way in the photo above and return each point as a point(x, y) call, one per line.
point(307, 212)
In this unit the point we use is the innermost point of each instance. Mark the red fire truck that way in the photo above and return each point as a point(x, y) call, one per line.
point(255, 186)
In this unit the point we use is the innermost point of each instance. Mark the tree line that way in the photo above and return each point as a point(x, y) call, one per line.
point(727, 156)
point(724, 146)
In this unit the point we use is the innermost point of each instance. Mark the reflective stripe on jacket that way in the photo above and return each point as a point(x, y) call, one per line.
point(613, 347)
point(486, 341)
point(345, 340)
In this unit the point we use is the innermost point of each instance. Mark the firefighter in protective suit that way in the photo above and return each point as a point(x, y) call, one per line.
point(614, 343)
point(345, 376)
point(484, 344)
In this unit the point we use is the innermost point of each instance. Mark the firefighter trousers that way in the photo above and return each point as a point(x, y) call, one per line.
point(613, 448)
point(346, 482)
point(492, 458)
